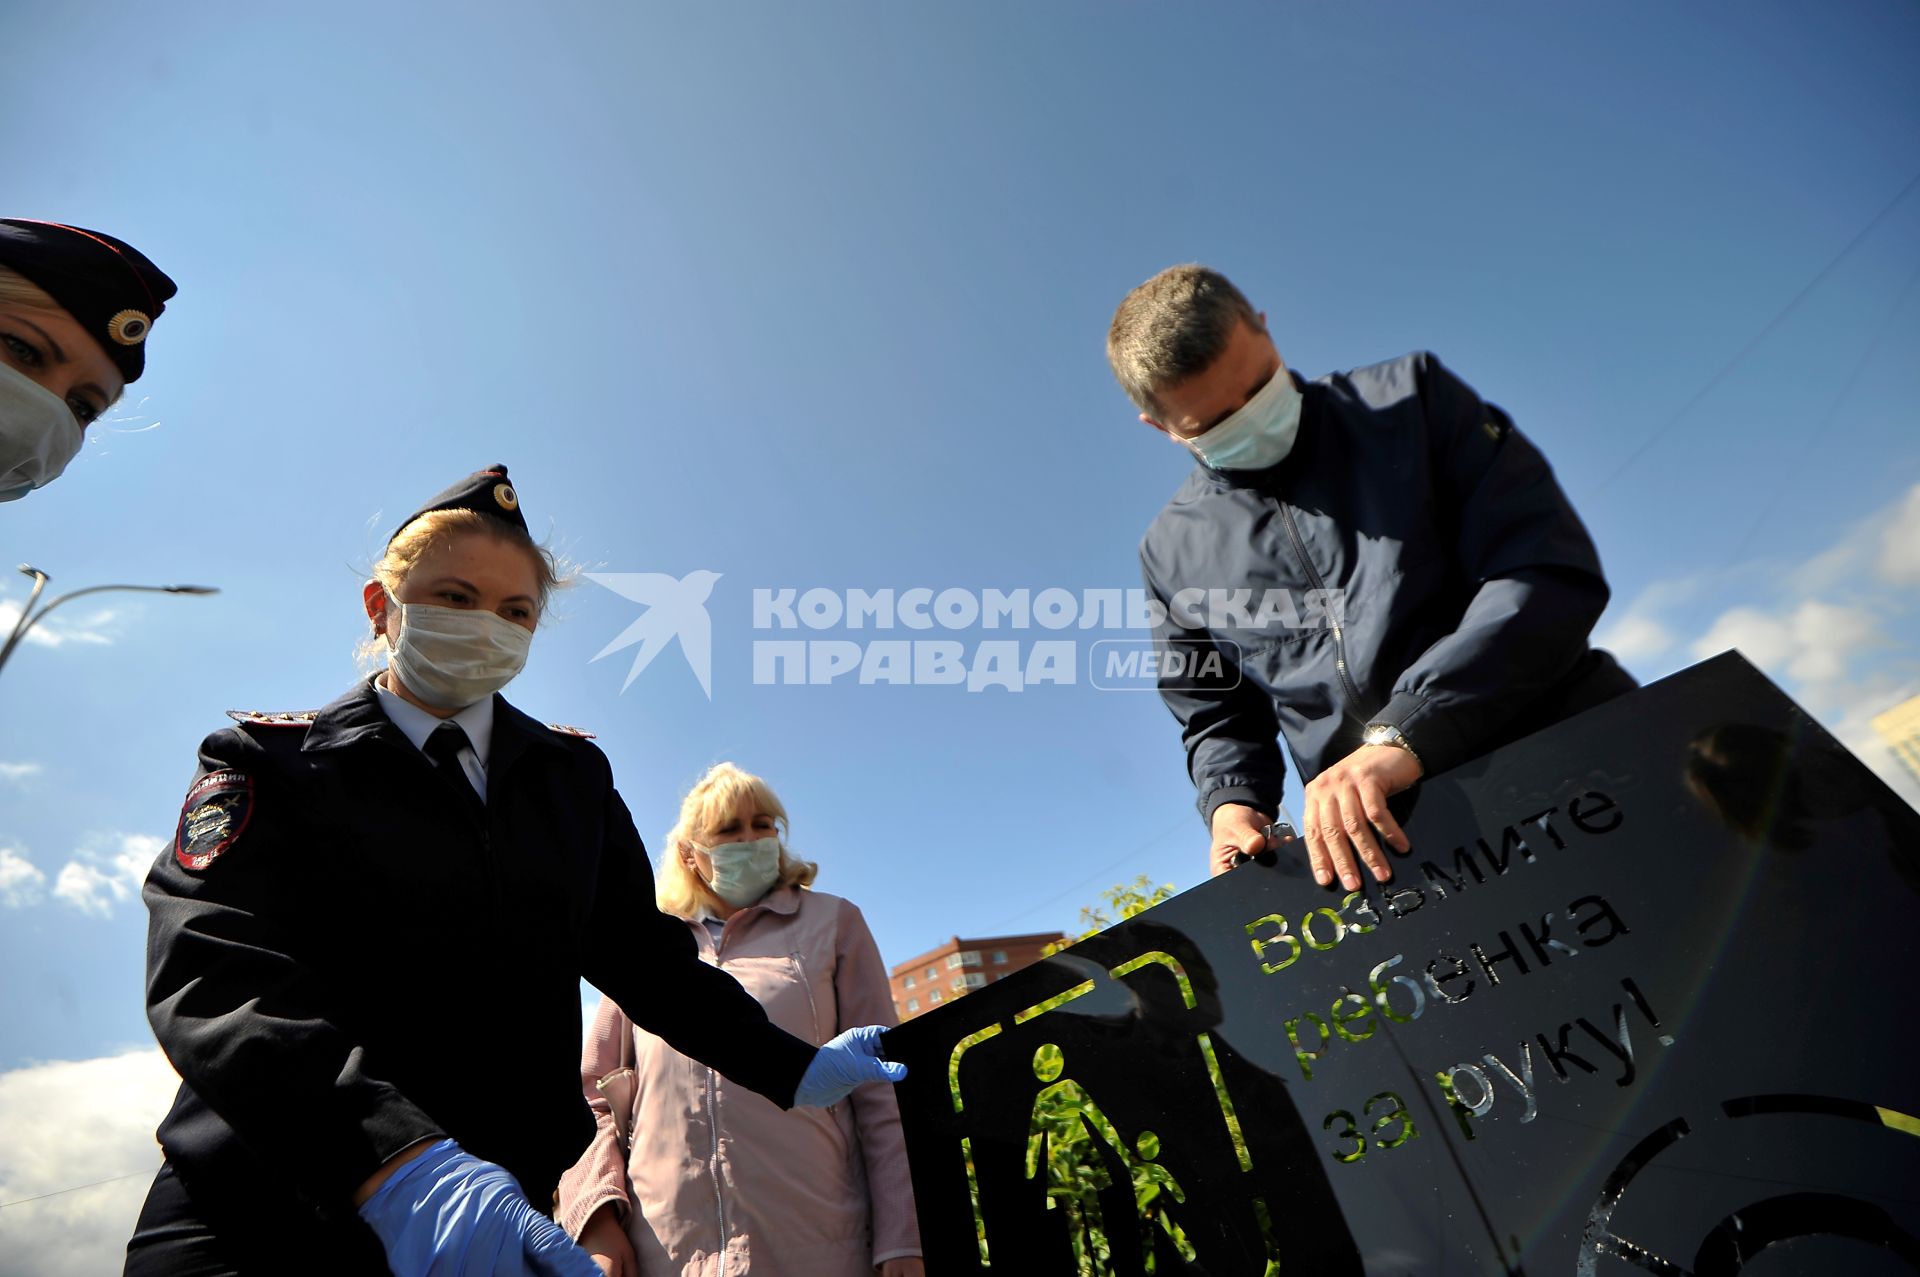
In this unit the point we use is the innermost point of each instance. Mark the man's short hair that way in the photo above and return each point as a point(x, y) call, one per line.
point(1171, 328)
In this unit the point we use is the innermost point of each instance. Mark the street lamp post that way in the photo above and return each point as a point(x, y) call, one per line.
point(29, 618)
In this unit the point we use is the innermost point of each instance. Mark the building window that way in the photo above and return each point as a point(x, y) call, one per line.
point(954, 960)
point(910, 982)
point(999, 957)
point(932, 972)
point(934, 996)
point(913, 1004)
point(971, 957)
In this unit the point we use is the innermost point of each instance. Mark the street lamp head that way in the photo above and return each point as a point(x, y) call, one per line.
point(27, 569)
point(191, 589)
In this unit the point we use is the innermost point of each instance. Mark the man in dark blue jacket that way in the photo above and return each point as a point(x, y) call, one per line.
point(1375, 565)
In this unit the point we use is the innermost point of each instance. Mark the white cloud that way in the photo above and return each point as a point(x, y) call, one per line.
point(14, 773)
point(87, 889)
point(1816, 642)
point(1636, 634)
point(1899, 559)
point(1635, 638)
point(1833, 628)
point(72, 1123)
point(20, 880)
point(94, 882)
point(95, 629)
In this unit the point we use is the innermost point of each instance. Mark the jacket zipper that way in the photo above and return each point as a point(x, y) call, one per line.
point(1348, 691)
point(813, 1008)
point(713, 1135)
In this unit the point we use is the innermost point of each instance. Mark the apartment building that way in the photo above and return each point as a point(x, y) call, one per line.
point(961, 965)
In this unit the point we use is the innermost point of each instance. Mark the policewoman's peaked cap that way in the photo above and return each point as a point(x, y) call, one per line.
point(106, 284)
point(486, 491)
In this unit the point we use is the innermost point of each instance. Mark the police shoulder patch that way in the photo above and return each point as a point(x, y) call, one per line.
point(278, 718)
point(564, 730)
point(213, 817)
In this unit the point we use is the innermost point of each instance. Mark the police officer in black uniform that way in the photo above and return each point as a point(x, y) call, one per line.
point(367, 941)
point(76, 307)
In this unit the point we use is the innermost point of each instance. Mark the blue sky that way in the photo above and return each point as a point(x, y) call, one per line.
point(814, 296)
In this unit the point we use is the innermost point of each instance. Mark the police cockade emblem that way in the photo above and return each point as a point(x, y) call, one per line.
point(213, 817)
point(129, 327)
point(505, 495)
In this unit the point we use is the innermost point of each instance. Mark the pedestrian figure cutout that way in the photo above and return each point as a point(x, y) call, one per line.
point(1150, 1180)
point(1062, 1136)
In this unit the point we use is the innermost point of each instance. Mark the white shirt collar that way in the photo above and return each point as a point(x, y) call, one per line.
point(476, 720)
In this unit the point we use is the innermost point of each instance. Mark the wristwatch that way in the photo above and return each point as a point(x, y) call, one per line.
point(1388, 734)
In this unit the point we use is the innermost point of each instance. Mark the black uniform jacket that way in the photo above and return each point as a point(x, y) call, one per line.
point(361, 963)
point(1425, 571)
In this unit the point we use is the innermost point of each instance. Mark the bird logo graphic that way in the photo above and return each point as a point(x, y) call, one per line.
point(676, 608)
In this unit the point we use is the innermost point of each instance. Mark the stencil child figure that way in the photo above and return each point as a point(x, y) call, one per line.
point(1150, 1182)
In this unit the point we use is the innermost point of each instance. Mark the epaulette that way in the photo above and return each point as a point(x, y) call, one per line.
point(564, 730)
point(278, 718)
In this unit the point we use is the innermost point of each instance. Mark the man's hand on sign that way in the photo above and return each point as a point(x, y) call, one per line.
point(1238, 831)
point(1345, 816)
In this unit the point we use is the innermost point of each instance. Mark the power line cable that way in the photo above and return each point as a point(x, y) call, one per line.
point(1098, 873)
point(1660, 432)
point(1815, 435)
point(76, 1188)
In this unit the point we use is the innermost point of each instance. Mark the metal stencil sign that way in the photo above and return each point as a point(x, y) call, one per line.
point(1640, 1000)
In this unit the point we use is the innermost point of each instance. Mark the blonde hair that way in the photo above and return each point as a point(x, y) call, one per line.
point(1172, 328)
point(17, 290)
point(435, 529)
point(714, 798)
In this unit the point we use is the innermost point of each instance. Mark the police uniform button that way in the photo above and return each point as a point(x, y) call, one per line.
point(129, 327)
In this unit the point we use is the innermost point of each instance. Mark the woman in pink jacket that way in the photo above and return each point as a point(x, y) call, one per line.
point(692, 1176)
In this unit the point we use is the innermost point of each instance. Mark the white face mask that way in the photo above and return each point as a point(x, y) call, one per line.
point(38, 435)
point(451, 657)
point(1259, 435)
point(744, 871)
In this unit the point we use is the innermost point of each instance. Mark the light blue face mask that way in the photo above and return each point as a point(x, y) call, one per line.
point(744, 871)
point(38, 435)
point(1259, 434)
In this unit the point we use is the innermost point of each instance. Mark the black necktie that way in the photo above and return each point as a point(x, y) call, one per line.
point(443, 748)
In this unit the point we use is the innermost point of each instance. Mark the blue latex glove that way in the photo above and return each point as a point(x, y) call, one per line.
point(850, 1060)
point(449, 1214)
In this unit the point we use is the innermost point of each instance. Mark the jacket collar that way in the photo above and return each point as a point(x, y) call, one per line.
point(357, 717)
point(781, 900)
